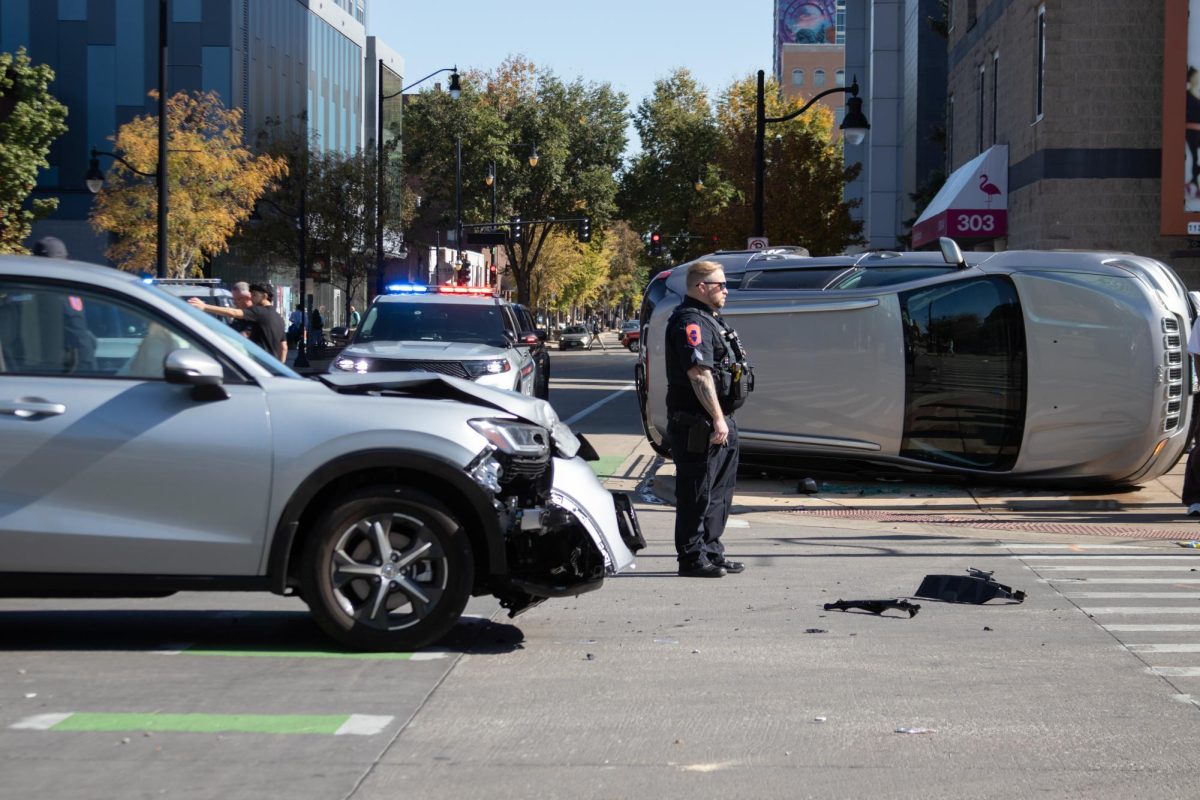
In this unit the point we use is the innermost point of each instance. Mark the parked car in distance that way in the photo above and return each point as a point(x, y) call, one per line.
point(535, 337)
point(575, 336)
point(1045, 367)
point(631, 334)
point(464, 332)
point(149, 449)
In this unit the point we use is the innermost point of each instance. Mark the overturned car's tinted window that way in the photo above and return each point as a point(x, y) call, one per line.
point(810, 278)
point(965, 368)
point(889, 276)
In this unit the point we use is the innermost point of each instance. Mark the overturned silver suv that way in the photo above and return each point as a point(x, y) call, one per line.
point(149, 449)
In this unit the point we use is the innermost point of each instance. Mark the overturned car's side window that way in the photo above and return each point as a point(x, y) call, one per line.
point(54, 330)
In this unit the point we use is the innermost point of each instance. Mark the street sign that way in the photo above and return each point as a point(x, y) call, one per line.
point(486, 238)
point(1193, 228)
point(756, 243)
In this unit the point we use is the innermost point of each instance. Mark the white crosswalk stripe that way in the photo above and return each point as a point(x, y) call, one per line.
point(1159, 626)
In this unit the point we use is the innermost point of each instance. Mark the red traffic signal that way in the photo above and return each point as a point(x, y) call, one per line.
point(655, 242)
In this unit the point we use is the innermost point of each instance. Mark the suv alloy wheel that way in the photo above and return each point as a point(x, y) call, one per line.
point(388, 569)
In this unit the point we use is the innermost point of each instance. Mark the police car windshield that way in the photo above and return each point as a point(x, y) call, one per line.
point(433, 322)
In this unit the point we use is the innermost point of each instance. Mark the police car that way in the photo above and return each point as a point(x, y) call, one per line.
point(1031, 366)
point(462, 331)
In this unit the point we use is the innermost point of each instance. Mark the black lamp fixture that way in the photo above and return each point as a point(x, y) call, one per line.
point(455, 90)
point(854, 129)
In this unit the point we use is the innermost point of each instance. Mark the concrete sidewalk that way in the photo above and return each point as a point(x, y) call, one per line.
point(1149, 511)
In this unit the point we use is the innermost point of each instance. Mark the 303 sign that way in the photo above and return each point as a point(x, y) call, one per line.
point(977, 223)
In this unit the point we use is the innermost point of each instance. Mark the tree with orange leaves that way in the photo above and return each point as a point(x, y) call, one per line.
point(213, 183)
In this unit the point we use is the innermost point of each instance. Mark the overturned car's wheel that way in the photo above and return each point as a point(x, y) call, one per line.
point(387, 569)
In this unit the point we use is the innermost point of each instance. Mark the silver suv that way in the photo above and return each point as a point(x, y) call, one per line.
point(149, 449)
point(448, 330)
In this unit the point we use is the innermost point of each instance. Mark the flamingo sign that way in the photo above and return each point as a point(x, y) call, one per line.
point(972, 204)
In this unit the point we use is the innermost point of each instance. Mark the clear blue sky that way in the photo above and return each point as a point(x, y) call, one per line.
point(626, 43)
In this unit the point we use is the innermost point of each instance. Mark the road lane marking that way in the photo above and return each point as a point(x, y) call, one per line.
point(1150, 628)
point(1176, 672)
point(92, 722)
point(626, 388)
point(1090, 557)
point(1164, 648)
point(1082, 581)
point(1150, 610)
point(190, 649)
point(1056, 568)
point(1135, 596)
point(1016, 546)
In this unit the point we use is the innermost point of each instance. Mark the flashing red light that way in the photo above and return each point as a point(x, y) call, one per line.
point(466, 290)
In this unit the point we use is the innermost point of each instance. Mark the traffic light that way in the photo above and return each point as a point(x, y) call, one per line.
point(655, 243)
point(585, 230)
point(516, 227)
point(716, 242)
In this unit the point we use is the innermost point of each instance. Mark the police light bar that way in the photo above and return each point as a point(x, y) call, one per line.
point(406, 288)
point(466, 290)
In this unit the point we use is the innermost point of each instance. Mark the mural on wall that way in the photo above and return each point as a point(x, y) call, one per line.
point(1191, 169)
point(808, 21)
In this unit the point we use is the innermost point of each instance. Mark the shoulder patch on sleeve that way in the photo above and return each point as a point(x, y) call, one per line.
point(693, 334)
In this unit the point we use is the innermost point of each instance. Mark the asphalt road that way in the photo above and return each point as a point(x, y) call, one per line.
point(653, 686)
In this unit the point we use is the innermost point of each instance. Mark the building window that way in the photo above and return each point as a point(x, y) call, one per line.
point(839, 78)
point(819, 78)
point(797, 77)
point(1041, 62)
point(839, 18)
point(995, 94)
point(979, 110)
point(972, 16)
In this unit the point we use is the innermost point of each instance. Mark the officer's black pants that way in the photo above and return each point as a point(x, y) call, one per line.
point(703, 494)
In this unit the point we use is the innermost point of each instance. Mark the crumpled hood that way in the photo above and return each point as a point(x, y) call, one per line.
point(427, 385)
point(422, 351)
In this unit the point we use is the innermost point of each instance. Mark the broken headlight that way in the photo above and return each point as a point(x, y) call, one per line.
point(514, 438)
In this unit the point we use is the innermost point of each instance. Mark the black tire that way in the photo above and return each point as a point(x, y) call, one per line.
point(633, 347)
point(427, 565)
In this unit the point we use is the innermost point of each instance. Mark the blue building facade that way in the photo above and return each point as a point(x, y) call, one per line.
point(271, 58)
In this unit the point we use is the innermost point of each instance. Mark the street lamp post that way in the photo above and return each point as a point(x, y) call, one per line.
point(455, 91)
point(491, 180)
point(854, 128)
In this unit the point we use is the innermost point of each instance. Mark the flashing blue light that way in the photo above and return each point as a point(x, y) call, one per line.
point(406, 288)
point(147, 280)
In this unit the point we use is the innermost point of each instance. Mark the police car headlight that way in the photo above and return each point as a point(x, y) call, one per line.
point(477, 369)
point(348, 364)
point(514, 438)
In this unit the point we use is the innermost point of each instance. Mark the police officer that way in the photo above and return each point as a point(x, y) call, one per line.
point(707, 379)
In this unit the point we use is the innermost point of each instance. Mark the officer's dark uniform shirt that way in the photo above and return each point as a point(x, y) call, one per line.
point(694, 339)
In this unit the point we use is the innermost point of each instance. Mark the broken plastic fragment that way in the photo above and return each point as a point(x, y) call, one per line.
point(915, 730)
point(976, 587)
point(875, 606)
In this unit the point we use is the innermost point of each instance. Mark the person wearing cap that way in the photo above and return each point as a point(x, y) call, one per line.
point(262, 323)
point(50, 247)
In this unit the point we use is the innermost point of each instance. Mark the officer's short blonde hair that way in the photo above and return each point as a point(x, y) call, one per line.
point(700, 271)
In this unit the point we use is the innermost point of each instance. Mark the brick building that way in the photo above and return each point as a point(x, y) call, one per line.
point(1078, 90)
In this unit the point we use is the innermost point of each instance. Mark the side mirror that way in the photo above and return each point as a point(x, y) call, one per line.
point(340, 335)
point(541, 334)
point(188, 367)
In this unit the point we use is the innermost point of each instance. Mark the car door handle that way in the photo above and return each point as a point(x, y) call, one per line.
point(29, 407)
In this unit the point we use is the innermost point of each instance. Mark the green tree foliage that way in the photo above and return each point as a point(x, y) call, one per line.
point(803, 181)
point(213, 183)
point(680, 143)
point(577, 127)
point(30, 120)
point(341, 216)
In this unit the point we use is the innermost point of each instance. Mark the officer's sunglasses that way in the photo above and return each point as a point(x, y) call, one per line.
point(722, 285)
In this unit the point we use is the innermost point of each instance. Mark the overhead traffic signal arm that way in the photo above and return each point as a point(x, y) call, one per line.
point(516, 227)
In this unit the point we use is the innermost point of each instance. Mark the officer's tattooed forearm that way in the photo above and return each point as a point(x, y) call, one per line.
point(706, 392)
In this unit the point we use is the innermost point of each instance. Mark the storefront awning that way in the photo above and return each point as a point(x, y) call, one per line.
point(972, 204)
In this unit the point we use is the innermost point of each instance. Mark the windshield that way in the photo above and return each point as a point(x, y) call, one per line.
point(229, 337)
point(474, 323)
point(576, 329)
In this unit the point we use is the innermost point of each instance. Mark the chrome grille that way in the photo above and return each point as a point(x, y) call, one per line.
point(1173, 357)
point(452, 368)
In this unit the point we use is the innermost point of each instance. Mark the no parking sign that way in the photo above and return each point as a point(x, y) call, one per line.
point(756, 243)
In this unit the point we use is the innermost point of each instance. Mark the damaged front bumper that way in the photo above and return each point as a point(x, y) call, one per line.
point(568, 544)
